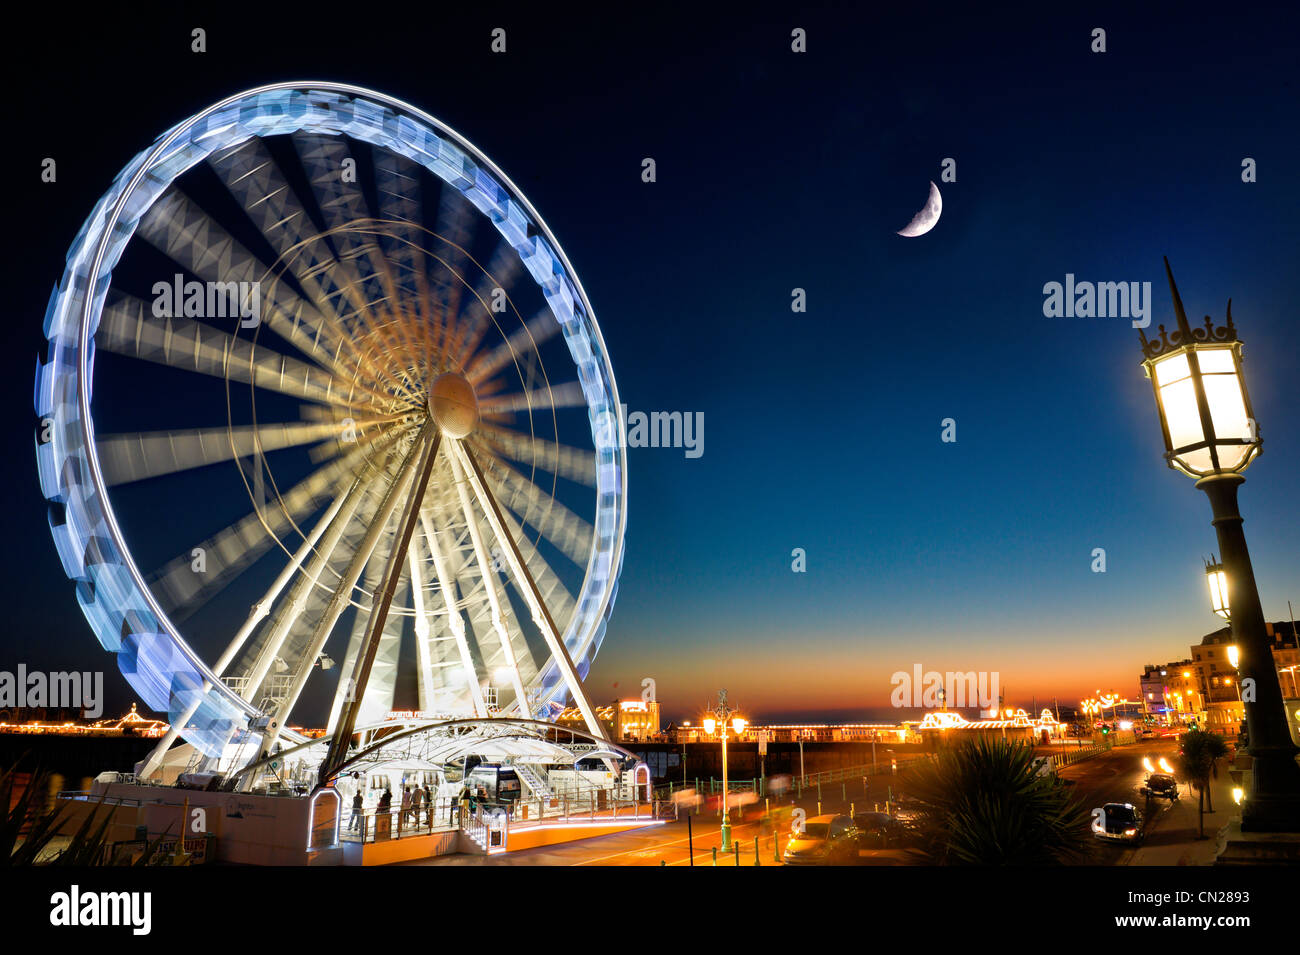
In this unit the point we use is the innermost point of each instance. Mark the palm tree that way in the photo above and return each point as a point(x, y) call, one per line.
point(983, 802)
point(1198, 762)
point(27, 828)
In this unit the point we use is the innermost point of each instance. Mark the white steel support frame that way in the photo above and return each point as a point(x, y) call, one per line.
point(259, 612)
point(427, 445)
point(490, 587)
point(423, 651)
point(527, 586)
point(454, 620)
point(339, 600)
point(301, 590)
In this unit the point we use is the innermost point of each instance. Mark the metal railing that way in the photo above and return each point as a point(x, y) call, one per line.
point(760, 786)
point(397, 823)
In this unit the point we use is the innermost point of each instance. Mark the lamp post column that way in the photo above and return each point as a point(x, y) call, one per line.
point(726, 809)
point(1273, 805)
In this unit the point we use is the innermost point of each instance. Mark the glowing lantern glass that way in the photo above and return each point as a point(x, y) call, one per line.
point(710, 724)
point(1205, 411)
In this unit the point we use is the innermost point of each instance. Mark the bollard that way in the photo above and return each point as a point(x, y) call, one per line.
point(776, 849)
point(735, 851)
point(819, 793)
point(715, 855)
point(819, 807)
point(853, 809)
point(844, 793)
point(875, 807)
point(757, 861)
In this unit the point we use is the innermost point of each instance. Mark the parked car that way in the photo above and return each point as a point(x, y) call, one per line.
point(825, 840)
point(876, 830)
point(1161, 786)
point(1119, 822)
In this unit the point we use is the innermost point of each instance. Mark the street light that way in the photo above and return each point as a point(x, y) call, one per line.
point(1218, 581)
point(1211, 435)
point(719, 719)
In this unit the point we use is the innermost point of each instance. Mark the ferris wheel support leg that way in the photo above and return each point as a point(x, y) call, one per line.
point(490, 586)
point(454, 620)
point(338, 750)
point(259, 613)
point(423, 652)
point(334, 610)
point(541, 616)
point(302, 587)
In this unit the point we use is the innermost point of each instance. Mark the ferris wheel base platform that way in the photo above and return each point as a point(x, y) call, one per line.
point(310, 830)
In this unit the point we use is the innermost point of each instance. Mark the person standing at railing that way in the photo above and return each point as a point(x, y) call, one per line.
point(405, 815)
point(466, 803)
point(428, 803)
point(417, 803)
point(358, 808)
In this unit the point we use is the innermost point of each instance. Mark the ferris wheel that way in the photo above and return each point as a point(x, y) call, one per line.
point(313, 354)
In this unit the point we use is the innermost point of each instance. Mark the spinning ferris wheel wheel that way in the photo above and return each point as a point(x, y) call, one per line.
point(315, 354)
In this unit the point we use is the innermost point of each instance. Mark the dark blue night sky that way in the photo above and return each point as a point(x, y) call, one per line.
point(822, 429)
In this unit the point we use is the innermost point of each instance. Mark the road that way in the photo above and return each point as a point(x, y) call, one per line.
point(671, 843)
point(1115, 776)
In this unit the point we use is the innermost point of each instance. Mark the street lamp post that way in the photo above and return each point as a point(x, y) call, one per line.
point(1211, 435)
point(722, 717)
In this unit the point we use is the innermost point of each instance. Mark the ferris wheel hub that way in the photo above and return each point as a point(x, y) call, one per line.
point(453, 404)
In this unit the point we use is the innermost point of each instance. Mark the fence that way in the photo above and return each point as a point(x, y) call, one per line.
point(761, 786)
point(484, 823)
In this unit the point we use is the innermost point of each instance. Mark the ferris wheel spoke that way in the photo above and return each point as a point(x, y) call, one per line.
point(456, 227)
point(380, 687)
point(502, 272)
point(553, 590)
point(135, 457)
point(188, 236)
point(567, 394)
point(455, 622)
point(537, 331)
point(290, 611)
point(527, 585)
point(423, 649)
point(251, 176)
point(570, 534)
point(574, 464)
point(187, 345)
point(489, 586)
point(346, 215)
point(397, 184)
point(229, 551)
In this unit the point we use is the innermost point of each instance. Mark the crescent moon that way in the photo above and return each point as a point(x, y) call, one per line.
point(926, 219)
